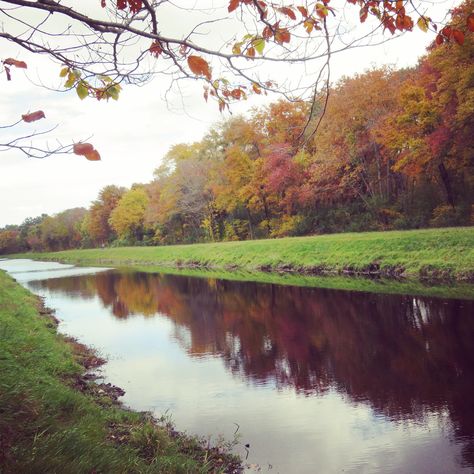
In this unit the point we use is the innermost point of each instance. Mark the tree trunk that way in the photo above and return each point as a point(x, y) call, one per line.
point(250, 223)
point(447, 184)
point(267, 214)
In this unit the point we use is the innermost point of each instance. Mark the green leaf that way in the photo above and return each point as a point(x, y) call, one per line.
point(423, 23)
point(71, 80)
point(113, 91)
point(82, 90)
point(64, 72)
point(259, 45)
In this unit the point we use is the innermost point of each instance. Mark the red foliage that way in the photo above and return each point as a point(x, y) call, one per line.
point(438, 140)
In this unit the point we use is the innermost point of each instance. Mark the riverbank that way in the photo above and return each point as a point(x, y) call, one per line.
point(56, 417)
point(428, 254)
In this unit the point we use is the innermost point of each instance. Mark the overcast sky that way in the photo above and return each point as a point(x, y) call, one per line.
point(132, 134)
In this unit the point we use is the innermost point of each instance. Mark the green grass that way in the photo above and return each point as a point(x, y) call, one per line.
point(445, 253)
point(47, 425)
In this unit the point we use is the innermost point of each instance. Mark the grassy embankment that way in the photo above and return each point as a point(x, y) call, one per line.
point(419, 254)
point(460, 290)
point(54, 419)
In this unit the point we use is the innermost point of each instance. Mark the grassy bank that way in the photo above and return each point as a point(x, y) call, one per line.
point(55, 419)
point(421, 254)
point(459, 290)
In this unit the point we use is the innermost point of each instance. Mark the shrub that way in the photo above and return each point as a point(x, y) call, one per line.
point(445, 216)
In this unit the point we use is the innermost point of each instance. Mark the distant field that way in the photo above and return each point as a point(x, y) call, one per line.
point(430, 253)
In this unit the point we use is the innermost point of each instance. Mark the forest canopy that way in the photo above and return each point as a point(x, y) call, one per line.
point(399, 157)
point(393, 149)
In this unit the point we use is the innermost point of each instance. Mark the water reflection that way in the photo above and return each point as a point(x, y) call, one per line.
point(409, 358)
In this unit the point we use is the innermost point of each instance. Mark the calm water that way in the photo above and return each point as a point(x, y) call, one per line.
point(318, 381)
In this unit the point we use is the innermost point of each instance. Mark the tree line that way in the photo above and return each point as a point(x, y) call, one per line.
point(393, 149)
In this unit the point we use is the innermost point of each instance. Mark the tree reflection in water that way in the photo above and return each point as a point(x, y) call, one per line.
point(406, 356)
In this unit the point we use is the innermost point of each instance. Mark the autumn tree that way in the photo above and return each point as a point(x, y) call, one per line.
point(9, 241)
point(182, 201)
point(347, 160)
point(429, 132)
point(98, 227)
point(62, 231)
point(282, 122)
point(23, 237)
point(127, 219)
point(240, 190)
